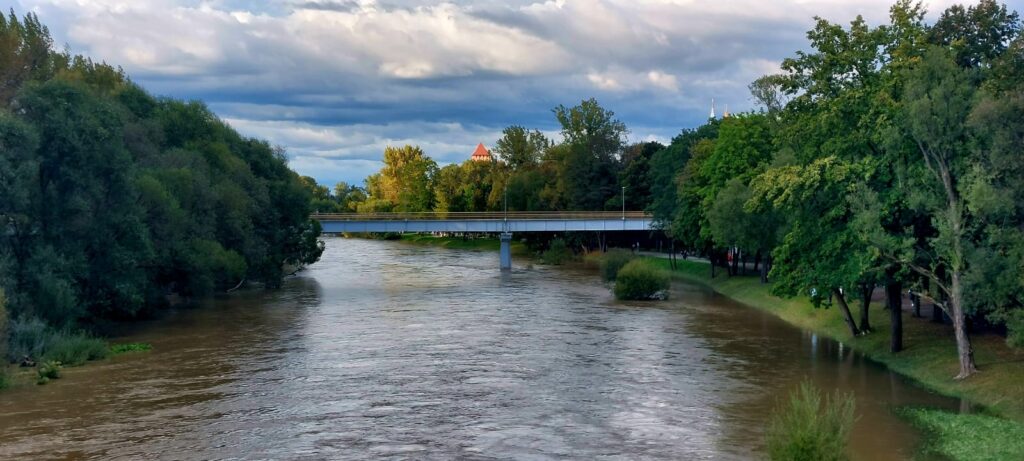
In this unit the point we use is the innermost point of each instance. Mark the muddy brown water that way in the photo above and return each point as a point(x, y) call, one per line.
point(388, 351)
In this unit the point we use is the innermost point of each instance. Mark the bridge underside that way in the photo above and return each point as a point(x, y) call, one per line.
point(493, 226)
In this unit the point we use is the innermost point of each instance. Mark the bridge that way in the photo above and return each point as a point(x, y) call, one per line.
point(503, 223)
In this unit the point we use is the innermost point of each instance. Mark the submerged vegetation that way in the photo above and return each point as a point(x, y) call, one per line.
point(130, 347)
point(613, 261)
point(639, 280)
point(806, 427)
point(968, 437)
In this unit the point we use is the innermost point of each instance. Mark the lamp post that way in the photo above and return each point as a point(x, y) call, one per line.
point(623, 203)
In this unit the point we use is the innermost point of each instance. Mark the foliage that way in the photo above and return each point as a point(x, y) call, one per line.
point(112, 199)
point(130, 347)
point(48, 370)
point(557, 253)
point(806, 428)
point(968, 437)
point(587, 170)
point(640, 280)
point(613, 261)
point(73, 349)
point(521, 148)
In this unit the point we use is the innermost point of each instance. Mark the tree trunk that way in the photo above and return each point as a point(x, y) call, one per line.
point(915, 302)
point(845, 309)
point(963, 342)
point(866, 290)
point(711, 259)
point(764, 272)
point(757, 259)
point(894, 298)
point(936, 312)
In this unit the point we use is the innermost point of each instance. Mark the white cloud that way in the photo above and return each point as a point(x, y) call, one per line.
point(335, 80)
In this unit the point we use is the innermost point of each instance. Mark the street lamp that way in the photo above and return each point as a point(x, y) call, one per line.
point(623, 203)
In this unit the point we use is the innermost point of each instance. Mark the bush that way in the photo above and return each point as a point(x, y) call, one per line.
point(638, 279)
point(557, 253)
point(805, 428)
point(75, 349)
point(47, 371)
point(613, 261)
point(31, 337)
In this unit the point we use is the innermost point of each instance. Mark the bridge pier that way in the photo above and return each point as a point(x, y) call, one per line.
point(506, 251)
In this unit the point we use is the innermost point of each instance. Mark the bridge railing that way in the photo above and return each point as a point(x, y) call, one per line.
point(481, 215)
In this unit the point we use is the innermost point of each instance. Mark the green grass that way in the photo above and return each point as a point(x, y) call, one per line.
point(130, 347)
point(968, 437)
point(929, 356)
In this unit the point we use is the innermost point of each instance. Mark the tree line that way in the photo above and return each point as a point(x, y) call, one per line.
point(112, 201)
point(583, 172)
point(886, 156)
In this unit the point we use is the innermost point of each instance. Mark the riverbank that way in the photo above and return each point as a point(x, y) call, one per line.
point(929, 358)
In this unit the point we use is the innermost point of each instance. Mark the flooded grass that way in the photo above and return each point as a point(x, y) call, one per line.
point(968, 437)
point(130, 347)
point(929, 356)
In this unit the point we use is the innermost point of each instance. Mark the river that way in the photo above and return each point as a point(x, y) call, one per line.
point(389, 351)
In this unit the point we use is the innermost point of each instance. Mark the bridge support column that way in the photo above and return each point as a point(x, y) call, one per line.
point(506, 251)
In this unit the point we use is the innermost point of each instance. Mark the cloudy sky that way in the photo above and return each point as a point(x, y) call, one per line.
point(334, 81)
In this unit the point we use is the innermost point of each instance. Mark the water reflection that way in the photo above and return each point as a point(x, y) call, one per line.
point(383, 350)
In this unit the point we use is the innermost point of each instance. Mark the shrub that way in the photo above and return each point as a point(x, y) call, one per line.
point(47, 371)
point(613, 261)
point(557, 253)
point(130, 347)
point(806, 428)
point(75, 349)
point(31, 337)
point(639, 279)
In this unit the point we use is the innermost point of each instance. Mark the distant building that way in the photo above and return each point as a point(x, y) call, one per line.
point(481, 154)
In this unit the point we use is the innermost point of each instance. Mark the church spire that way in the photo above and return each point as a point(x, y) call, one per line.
point(712, 116)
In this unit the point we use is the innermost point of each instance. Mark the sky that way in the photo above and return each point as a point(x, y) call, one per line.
point(335, 81)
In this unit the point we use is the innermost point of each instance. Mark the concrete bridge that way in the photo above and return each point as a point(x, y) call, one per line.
point(503, 223)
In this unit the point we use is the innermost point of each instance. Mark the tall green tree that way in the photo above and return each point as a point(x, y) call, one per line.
point(521, 148)
point(588, 168)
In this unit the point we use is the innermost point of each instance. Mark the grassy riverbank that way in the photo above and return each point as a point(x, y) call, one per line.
point(929, 358)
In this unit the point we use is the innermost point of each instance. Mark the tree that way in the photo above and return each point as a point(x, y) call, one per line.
point(666, 165)
point(978, 34)
point(588, 167)
point(520, 148)
point(405, 179)
point(635, 174)
point(448, 194)
point(938, 101)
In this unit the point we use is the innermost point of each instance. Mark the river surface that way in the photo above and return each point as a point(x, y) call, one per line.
point(388, 351)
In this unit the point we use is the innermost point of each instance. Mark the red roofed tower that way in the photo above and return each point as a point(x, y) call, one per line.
point(481, 154)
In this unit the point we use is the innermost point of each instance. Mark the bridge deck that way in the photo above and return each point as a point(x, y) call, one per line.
point(485, 222)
